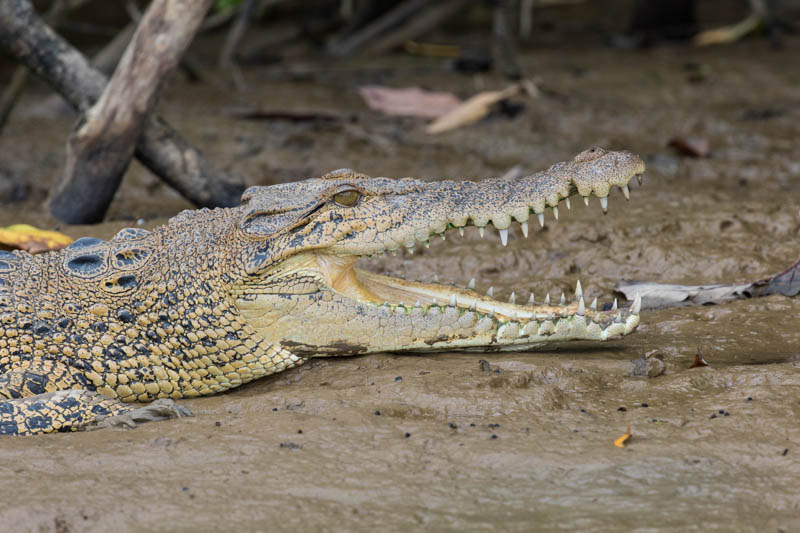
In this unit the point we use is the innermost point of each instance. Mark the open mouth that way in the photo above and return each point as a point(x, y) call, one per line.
point(338, 308)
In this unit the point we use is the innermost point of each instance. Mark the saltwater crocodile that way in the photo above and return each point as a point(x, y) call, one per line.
point(215, 299)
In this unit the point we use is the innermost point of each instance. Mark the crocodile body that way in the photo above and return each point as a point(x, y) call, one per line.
point(96, 332)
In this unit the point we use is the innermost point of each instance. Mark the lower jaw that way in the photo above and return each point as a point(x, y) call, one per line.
point(328, 322)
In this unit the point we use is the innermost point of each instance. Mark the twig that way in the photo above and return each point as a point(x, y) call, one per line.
point(236, 33)
point(24, 36)
point(14, 89)
point(504, 47)
point(101, 147)
point(381, 25)
point(424, 22)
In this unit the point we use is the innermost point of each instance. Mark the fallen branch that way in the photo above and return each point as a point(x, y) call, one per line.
point(160, 148)
point(659, 295)
point(100, 149)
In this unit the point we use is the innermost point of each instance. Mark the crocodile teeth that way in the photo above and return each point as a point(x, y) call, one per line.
point(581, 307)
point(504, 236)
point(615, 306)
point(471, 284)
point(626, 192)
point(547, 299)
point(618, 318)
point(555, 211)
point(578, 290)
point(482, 231)
point(513, 298)
point(461, 231)
point(586, 200)
point(541, 219)
point(530, 300)
point(639, 178)
point(417, 304)
point(436, 278)
point(490, 292)
point(524, 226)
point(452, 300)
point(442, 236)
point(427, 244)
point(637, 304)
point(594, 304)
point(563, 300)
point(566, 201)
point(474, 305)
point(604, 204)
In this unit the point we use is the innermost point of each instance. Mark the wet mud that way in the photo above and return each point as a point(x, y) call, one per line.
point(524, 440)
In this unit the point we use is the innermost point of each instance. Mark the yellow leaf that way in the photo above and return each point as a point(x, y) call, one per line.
point(620, 442)
point(31, 239)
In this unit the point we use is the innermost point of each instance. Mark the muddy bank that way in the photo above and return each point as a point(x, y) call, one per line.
point(454, 446)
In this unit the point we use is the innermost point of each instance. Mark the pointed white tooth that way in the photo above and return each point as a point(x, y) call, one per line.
point(491, 314)
point(639, 178)
point(581, 307)
point(547, 299)
point(618, 318)
point(436, 278)
point(524, 226)
point(461, 230)
point(394, 253)
point(531, 300)
point(471, 284)
point(410, 249)
point(594, 304)
point(417, 304)
point(604, 203)
point(452, 300)
point(474, 305)
point(541, 219)
point(555, 211)
point(566, 201)
point(504, 236)
point(626, 192)
point(427, 244)
point(578, 290)
point(637, 304)
point(442, 235)
point(490, 292)
point(563, 300)
point(513, 298)
point(482, 230)
point(586, 200)
point(550, 315)
point(615, 306)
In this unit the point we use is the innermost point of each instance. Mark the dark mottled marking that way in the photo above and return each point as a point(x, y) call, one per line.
point(78, 339)
point(124, 316)
point(115, 353)
point(64, 323)
point(41, 328)
point(99, 327)
point(84, 242)
point(86, 264)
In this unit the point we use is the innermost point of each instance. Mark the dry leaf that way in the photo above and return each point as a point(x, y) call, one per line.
point(729, 34)
point(691, 146)
point(620, 442)
point(698, 360)
point(31, 239)
point(411, 101)
point(472, 110)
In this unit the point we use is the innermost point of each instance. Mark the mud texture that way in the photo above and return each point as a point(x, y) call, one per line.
point(522, 441)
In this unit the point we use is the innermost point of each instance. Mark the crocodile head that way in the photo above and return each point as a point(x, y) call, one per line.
point(300, 286)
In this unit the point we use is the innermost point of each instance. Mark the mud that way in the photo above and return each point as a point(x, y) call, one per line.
point(443, 441)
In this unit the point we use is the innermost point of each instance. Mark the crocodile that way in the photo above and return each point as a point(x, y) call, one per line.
point(105, 332)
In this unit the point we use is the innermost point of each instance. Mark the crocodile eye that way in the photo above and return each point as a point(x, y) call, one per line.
point(348, 198)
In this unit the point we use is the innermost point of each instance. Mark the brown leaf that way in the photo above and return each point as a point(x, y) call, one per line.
point(620, 442)
point(31, 239)
point(698, 360)
point(411, 101)
point(691, 146)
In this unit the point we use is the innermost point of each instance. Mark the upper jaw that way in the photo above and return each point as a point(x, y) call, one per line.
point(447, 205)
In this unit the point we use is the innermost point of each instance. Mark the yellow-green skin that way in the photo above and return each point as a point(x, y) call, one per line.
point(93, 332)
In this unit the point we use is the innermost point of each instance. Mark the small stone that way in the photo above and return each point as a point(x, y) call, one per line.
point(399, 378)
point(494, 436)
point(377, 413)
point(622, 409)
point(408, 435)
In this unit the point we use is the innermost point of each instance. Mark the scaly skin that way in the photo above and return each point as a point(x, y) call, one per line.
point(215, 299)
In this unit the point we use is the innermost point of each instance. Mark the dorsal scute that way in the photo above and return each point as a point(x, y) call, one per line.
point(130, 234)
